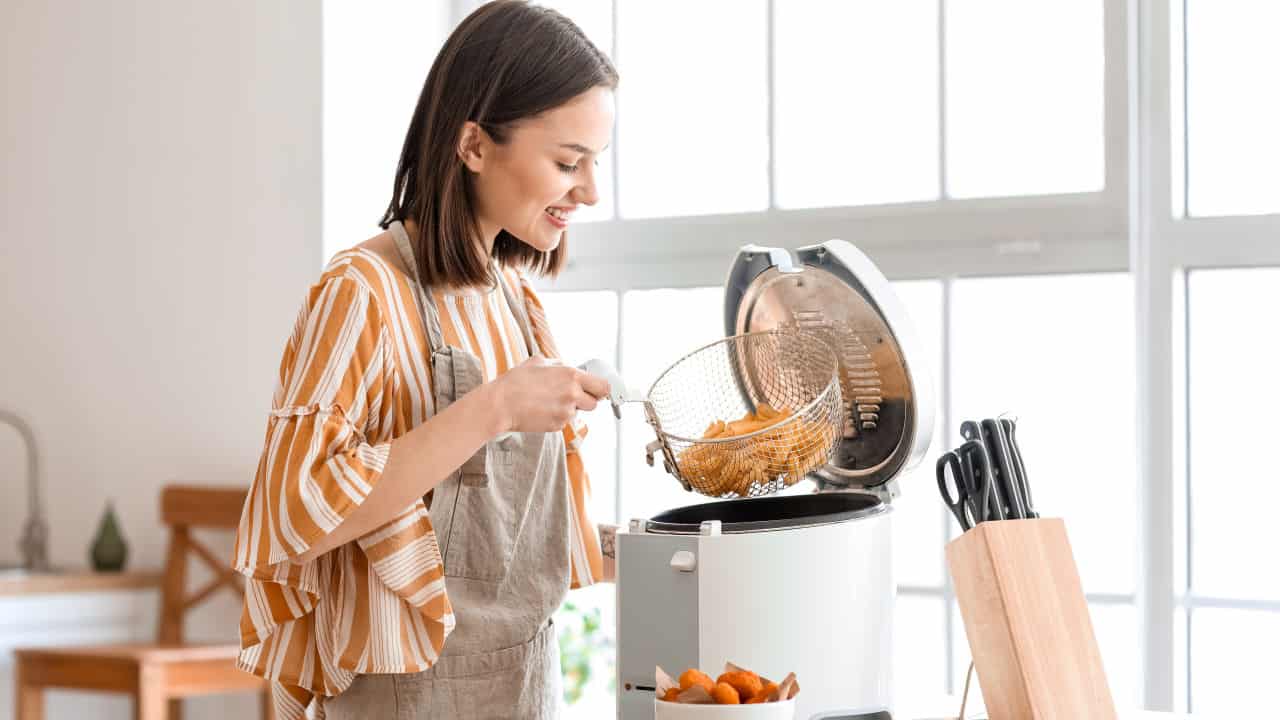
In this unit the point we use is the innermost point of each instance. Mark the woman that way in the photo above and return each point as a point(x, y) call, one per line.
point(419, 511)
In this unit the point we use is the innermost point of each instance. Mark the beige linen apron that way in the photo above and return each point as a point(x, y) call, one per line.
point(502, 521)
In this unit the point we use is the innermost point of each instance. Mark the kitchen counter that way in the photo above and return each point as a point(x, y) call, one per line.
point(945, 708)
point(72, 581)
point(74, 607)
point(1134, 715)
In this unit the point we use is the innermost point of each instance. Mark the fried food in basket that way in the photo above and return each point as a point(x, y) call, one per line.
point(735, 686)
point(792, 450)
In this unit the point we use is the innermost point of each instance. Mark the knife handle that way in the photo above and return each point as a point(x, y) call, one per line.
point(998, 448)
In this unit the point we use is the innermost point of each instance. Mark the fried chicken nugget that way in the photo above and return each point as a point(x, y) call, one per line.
point(725, 694)
point(745, 682)
point(694, 676)
point(671, 694)
point(763, 694)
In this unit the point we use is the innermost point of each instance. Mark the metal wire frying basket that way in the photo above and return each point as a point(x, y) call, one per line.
point(748, 415)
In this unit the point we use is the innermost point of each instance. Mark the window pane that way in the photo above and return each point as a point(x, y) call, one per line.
point(1234, 390)
point(920, 642)
point(1024, 97)
point(1233, 666)
point(693, 137)
point(917, 518)
point(1057, 353)
point(659, 327)
point(1115, 628)
point(856, 93)
point(1233, 153)
point(596, 20)
point(1233, 147)
point(585, 325)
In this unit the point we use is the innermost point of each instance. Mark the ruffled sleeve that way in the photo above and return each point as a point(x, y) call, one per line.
point(584, 541)
point(318, 465)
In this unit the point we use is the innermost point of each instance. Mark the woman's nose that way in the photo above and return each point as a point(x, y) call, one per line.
point(585, 193)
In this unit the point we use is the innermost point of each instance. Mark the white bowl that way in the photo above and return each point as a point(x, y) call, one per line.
point(781, 710)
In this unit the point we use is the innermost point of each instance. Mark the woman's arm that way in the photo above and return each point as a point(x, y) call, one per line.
point(418, 461)
point(534, 396)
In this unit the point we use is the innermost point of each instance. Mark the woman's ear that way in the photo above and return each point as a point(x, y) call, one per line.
point(472, 146)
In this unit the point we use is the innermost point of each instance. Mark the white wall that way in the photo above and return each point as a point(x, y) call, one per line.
point(160, 221)
point(376, 59)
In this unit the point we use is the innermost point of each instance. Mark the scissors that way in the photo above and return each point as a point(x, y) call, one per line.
point(970, 477)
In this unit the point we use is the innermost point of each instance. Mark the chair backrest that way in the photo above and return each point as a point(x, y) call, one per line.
point(184, 508)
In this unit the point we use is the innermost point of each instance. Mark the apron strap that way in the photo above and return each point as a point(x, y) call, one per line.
point(426, 305)
point(515, 301)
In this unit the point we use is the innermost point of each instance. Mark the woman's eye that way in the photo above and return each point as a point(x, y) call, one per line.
point(567, 168)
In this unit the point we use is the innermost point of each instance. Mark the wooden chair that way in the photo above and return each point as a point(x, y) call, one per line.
point(158, 676)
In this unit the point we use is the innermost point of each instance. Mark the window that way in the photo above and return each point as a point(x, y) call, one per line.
point(1024, 105)
point(1232, 603)
point(981, 154)
point(1058, 353)
point(1221, 232)
point(812, 120)
point(865, 131)
point(1232, 148)
point(811, 104)
point(691, 142)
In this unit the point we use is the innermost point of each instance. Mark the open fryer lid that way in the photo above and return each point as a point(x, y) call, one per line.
point(834, 289)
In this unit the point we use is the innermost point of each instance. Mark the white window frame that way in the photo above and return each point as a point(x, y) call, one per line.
point(1165, 246)
point(1125, 227)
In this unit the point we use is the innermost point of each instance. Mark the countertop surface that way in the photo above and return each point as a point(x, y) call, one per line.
point(946, 708)
point(75, 580)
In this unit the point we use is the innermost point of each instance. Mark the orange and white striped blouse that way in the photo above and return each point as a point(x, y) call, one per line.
point(354, 376)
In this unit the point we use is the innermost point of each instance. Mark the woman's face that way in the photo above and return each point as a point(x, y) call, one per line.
point(531, 186)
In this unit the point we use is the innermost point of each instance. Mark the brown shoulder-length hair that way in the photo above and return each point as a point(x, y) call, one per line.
point(505, 62)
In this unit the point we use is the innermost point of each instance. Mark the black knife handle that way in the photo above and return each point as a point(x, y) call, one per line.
point(998, 448)
point(1010, 430)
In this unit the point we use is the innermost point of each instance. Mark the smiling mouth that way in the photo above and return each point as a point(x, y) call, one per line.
point(558, 214)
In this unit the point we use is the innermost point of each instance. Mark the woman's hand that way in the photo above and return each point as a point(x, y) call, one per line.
point(541, 396)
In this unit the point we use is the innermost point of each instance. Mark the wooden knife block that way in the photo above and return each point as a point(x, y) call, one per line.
point(1028, 622)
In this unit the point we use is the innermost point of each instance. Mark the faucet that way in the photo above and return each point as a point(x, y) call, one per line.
point(35, 534)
